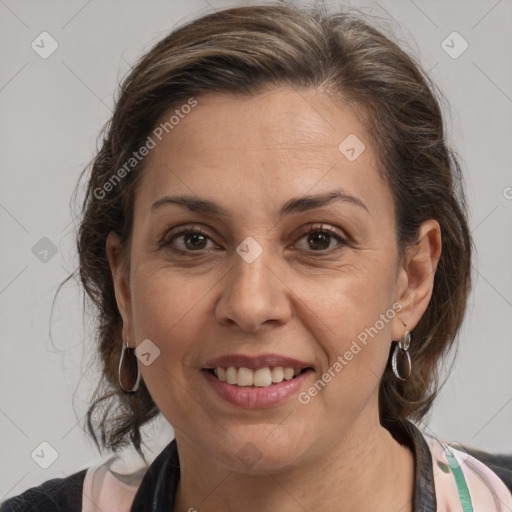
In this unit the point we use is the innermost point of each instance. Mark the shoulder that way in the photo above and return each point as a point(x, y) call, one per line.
point(460, 477)
point(500, 464)
point(112, 484)
point(56, 495)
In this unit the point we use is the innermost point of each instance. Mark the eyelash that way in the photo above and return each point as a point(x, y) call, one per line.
point(166, 242)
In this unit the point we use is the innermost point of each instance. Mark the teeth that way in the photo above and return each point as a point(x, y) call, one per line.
point(231, 375)
point(288, 373)
point(277, 374)
point(244, 377)
point(262, 377)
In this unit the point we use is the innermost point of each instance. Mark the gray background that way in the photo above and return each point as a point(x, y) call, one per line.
point(52, 111)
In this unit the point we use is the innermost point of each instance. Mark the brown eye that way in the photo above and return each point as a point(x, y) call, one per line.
point(188, 240)
point(194, 241)
point(319, 239)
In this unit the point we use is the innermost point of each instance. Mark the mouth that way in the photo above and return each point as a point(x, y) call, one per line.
point(253, 389)
point(263, 377)
point(255, 382)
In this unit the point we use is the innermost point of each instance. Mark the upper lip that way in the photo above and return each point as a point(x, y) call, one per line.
point(255, 362)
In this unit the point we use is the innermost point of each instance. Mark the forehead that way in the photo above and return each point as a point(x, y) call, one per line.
point(279, 143)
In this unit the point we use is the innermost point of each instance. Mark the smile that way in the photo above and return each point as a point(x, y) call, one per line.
point(251, 396)
point(253, 382)
point(261, 377)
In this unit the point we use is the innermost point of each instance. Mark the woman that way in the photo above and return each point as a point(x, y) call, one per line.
point(274, 241)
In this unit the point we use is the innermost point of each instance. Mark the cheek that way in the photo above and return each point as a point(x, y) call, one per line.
point(352, 299)
point(165, 311)
point(352, 322)
point(162, 304)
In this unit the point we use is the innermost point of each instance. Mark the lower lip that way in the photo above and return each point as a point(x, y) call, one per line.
point(255, 397)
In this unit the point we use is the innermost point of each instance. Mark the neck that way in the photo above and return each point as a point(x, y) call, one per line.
point(366, 470)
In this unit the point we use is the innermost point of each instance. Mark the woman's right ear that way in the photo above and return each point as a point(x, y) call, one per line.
point(119, 275)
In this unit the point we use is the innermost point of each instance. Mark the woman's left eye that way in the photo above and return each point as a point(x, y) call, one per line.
point(320, 237)
point(317, 238)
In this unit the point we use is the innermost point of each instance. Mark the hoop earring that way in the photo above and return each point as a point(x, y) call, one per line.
point(126, 362)
point(402, 348)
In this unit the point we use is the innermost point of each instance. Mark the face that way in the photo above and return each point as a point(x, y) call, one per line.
point(266, 279)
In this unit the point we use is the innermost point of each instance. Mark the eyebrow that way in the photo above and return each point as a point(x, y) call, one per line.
point(295, 205)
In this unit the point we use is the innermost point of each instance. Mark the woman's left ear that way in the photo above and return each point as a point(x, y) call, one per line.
point(416, 277)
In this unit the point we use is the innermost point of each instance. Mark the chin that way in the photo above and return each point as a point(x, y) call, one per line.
point(263, 449)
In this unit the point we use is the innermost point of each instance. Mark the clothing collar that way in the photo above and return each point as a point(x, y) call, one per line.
point(157, 491)
point(406, 433)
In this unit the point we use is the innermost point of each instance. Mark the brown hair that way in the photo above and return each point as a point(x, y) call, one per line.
point(240, 51)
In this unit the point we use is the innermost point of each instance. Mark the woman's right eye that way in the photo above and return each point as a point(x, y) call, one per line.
point(187, 240)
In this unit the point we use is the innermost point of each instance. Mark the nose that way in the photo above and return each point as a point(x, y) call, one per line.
point(253, 296)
